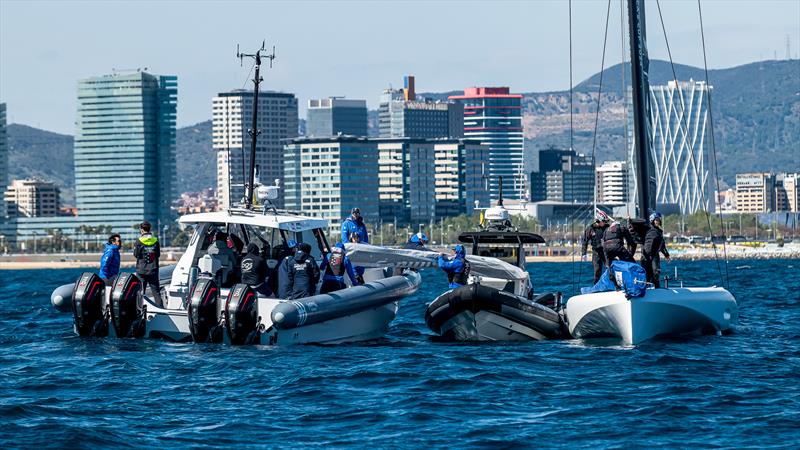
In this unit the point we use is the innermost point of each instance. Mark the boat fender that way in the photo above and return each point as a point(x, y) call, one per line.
point(87, 305)
point(202, 311)
point(61, 298)
point(241, 315)
point(126, 316)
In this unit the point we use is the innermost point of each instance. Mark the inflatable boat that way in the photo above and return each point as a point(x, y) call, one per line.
point(200, 305)
point(498, 302)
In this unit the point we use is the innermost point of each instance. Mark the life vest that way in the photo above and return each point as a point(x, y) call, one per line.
point(459, 277)
point(613, 236)
point(336, 262)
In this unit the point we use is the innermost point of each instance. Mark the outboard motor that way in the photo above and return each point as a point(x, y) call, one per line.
point(202, 311)
point(87, 306)
point(126, 316)
point(241, 315)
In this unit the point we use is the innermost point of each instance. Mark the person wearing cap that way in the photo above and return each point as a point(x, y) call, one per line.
point(147, 251)
point(594, 235)
point(355, 224)
point(417, 242)
point(457, 268)
point(654, 246)
point(298, 274)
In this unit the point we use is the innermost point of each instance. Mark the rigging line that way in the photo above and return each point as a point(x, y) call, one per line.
point(600, 87)
point(685, 129)
point(713, 147)
point(571, 148)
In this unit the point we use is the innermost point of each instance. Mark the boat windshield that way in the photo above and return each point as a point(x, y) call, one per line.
point(272, 241)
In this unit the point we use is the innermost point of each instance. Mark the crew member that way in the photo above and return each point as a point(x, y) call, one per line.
point(417, 242)
point(220, 250)
point(333, 268)
point(254, 270)
point(457, 268)
point(280, 252)
point(109, 263)
point(594, 235)
point(652, 249)
point(615, 239)
point(147, 251)
point(355, 238)
point(355, 224)
point(298, 274)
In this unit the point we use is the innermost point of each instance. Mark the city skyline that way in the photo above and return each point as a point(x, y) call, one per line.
point(507, 51)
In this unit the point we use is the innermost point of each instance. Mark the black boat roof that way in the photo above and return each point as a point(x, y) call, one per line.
point(500, 237)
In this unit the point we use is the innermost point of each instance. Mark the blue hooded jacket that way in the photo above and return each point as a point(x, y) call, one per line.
point(456, 266)
point(348, 267)
point(109, 263)
point(350, 226)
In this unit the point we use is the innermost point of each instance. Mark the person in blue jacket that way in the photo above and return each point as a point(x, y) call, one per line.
point(457, 268)
point(109, 263)
point(417, 242)
point(334, 266)
point(355, 224)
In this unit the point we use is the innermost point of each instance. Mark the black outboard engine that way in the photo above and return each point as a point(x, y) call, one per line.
point(126, 316)
point(87, 306)
point(241, 315)
point(202, 310)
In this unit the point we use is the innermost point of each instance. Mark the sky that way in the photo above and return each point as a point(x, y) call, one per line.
point(352, 48)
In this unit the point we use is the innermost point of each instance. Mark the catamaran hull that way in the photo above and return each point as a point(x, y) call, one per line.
point(660, 313)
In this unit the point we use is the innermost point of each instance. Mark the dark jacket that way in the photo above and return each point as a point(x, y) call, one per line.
point(415, 244)
point(654, 243)
point(593, 235)
point(254, 268)
point(147, 250)
point(297, 276)
point(109, 263)
point(616, 237)
point(350, 226)
point(336, 264)
point(457, 269)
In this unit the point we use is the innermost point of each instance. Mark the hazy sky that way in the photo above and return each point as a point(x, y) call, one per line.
point(352, 48)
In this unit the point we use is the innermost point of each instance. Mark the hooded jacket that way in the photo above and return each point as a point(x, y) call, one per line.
point(594, 235)
point(415, 243)
point(254, 268)
point(457, 269)
point(147, 250)
point(616, 237)
point(298, 276)
point(336, 264)
point(109, 263)
point(350, 226)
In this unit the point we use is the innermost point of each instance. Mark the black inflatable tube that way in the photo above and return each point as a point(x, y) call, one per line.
point(324, 307)
point(476, 298)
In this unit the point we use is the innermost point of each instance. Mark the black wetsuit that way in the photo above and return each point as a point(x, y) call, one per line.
point(594, 235)
point(617, 241)
point(652, 249)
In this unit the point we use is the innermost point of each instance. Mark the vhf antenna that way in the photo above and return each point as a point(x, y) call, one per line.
point(254, 131)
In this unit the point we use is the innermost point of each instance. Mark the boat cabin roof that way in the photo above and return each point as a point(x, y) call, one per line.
point(280, 220)
point(500, 237)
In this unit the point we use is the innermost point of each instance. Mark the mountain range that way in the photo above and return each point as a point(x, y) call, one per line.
point(756, 116)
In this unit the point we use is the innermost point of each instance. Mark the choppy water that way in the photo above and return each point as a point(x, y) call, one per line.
point(741, 390)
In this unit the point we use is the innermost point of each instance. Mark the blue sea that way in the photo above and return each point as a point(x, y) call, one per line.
point(408, 390)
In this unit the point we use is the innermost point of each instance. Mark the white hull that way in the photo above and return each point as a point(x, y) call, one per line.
point(661, 312)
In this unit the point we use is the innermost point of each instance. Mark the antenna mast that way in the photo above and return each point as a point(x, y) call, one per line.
point(254, 131)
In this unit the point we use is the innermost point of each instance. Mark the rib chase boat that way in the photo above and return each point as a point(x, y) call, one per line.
point(498, 302)
point(199, 306)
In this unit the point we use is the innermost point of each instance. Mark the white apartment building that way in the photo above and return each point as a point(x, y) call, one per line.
point(612, 183)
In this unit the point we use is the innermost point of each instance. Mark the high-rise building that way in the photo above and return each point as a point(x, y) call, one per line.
point(332, 116)
point(563, 176)
point(787, 188)
point(125, 149)
point(755, 192)
point(612, 183)
point(3, 151)
point(328, 177)
point(679, 117)
point(402, 113)
point(460, 176)
point(31, 198)
point(232, 114)
point(493, 116)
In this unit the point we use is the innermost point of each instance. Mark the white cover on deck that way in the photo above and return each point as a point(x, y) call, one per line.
point(366, 255)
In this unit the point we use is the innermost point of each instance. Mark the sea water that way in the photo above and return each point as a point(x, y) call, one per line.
point(408, 389)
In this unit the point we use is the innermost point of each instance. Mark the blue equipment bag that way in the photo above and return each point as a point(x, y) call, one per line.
point(630, 276)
